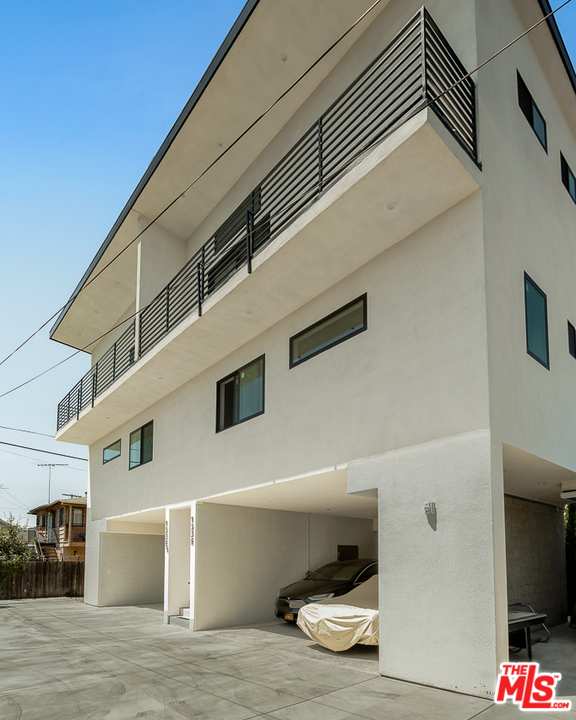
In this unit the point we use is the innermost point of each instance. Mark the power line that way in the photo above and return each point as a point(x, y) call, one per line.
point(3, 489)
point(47, 452)
point(35, 460)
point(243, 134)
point(32, 432)
point(201, 175)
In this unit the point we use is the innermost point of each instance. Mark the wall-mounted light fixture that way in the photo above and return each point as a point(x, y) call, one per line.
point(430, 508)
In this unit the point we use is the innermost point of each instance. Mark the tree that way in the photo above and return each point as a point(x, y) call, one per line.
point(14, 551)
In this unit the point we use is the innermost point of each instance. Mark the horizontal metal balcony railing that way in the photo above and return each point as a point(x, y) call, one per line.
point(413, 71)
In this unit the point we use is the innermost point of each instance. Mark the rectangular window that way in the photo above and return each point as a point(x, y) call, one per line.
point(240, 396)
point(111, 452)
point(536, 322)
point(571, 339)
point(531, 112)
point(61, 518)
point(141, 446)
point(568, 177)
point(331, 330)
point(77, 516)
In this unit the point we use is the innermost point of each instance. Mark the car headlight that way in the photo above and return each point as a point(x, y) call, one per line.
point(323, 596)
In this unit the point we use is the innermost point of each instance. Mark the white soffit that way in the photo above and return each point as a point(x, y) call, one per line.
point(324, 494)
point(532, 477)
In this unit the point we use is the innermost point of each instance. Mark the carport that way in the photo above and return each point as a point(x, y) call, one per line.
point(250, 543)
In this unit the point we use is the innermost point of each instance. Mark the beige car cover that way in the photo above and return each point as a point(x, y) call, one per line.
point(339, 623)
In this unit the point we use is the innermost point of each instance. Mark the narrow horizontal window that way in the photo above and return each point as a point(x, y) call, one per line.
point(568, 177)
point(240, 396)
point(141, 446)
point(532, 112)
point(536, 322)
point(111, 452)
point(571, 339)
point(331, 330)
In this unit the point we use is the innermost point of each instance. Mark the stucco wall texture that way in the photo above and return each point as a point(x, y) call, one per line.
point(535, 555)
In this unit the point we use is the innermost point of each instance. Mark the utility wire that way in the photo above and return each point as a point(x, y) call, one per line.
point(32, 432)
point(47, 452)
point(25, 507)
point(376, 141)
point(198, 177)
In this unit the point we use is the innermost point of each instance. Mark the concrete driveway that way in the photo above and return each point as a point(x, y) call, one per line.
point(63, 660)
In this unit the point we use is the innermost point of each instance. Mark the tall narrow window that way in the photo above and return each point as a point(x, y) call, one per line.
point(141, 446)
point(112, 451)
point(568, 177)
point(331, 330)
point(240, 396)
point(77, 516)
point(536, 322)
point(531, 112)
point(571, 339)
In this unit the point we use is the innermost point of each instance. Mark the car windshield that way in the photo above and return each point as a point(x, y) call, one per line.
point(336, 571)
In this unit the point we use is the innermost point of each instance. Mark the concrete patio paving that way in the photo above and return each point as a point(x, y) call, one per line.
point(63, 660)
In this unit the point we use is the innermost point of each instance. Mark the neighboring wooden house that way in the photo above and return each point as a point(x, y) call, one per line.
point(61, 529)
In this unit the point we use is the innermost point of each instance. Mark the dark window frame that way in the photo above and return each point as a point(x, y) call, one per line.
point(538, 289)
point(233, 375)
point(116, 442)
point(571, 339)
point(363, 298)
point(74, 511)
point(567, 175)
point(140, 462)
point(528, 106)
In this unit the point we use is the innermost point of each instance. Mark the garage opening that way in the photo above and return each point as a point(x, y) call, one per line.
point(251, 544)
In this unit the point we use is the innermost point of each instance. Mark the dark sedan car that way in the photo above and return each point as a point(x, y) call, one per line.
point(332, 580)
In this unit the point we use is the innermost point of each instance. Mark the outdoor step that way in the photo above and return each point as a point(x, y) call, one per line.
point(179, 621)
point(185, 612)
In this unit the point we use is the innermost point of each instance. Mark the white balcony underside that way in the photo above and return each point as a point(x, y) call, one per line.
point(344, 229)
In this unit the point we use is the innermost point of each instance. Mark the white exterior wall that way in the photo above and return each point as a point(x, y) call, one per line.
point(131, 569)
point(418, 372)
point(530, 226)
point(245, 555)
point(442, 591)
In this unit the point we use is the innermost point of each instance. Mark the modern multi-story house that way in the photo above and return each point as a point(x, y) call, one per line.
point(356, 327)
point(60, 531)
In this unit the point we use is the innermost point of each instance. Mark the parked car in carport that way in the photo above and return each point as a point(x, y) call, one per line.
point(331, 580)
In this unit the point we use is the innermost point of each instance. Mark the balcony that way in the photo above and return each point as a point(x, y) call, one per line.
point(409, 76)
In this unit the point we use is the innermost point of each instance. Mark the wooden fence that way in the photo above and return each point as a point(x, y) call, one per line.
point(46, 579)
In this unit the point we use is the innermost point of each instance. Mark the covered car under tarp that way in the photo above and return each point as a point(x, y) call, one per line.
point(340, 623)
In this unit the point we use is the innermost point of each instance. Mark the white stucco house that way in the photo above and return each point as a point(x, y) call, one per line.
point(365, 305)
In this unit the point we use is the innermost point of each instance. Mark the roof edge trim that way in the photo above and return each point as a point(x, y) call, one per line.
point(557, 37)
point(217, 60)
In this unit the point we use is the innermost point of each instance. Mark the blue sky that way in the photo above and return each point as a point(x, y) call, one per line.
point(89, 91)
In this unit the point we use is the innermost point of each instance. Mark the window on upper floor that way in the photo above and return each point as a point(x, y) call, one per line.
point(61, 517)
point(240, 396)
point(112, 451)
point(77, 516)
point(331, 330)
point(531, 112)
point(571, 339)
point(536, 322)
point(141, 446)
point(568, 177)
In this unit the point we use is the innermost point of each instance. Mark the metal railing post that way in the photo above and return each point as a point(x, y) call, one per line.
point(94, 383)
point(114, 362)
point(249, 232)
point(320, 156)
point(79, 401)
point(424, 50)
point(200, 288)
point(168, 307)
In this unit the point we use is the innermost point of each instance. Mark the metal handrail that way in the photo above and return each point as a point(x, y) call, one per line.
point(408, 75)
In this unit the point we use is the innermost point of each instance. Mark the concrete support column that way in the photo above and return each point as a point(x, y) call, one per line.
point(177, 561)
point(442, 576)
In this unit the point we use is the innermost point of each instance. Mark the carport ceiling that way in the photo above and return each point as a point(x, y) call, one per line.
point(323, 493)
point(532, 477)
